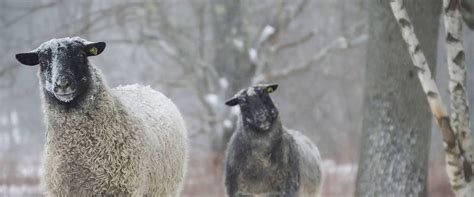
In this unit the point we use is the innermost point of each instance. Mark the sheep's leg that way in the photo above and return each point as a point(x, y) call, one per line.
point(231, 176)
point(291, 192)
point(231, 183)
point(291, 185)
point(231, 186)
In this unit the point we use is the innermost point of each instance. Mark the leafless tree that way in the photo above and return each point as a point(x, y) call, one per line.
point(397, 123)
point(455, 130)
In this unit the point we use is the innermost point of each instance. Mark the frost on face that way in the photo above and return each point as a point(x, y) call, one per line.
point(54, 65)
point(251, 91)
point(51, 76)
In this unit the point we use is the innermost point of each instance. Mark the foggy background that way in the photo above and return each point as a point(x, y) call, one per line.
point(197, 55)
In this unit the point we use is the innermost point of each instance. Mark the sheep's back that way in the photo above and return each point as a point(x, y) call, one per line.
point(310, 164)
point(164, 137)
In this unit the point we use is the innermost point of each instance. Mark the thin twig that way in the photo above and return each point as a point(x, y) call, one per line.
point(28, 13)
point(297, 42)
point(340, 43)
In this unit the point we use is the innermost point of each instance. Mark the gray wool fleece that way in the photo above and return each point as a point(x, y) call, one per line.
point(277, 162)
point(129, 141)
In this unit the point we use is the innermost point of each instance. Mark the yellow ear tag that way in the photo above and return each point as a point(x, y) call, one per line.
point(93, 50)
point(269, 90)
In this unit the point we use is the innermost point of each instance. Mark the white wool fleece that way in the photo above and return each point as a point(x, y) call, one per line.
point(129, 141)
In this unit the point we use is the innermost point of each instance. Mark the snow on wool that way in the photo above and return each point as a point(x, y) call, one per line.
point(126, 141)
point(265, 158)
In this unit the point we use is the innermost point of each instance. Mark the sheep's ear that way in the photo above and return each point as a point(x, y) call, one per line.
point(271, 88)
point(232, 102)
point(95, 48)
point(30, 58)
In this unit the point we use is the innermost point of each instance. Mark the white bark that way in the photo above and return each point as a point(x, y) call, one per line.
point(419, 60)
point(460, 118)
point(458, 91)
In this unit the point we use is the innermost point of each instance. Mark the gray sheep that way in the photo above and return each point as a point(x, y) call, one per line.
point(126, 141)
point(265, 158)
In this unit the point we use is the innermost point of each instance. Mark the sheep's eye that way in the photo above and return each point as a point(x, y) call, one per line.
point(269, 89)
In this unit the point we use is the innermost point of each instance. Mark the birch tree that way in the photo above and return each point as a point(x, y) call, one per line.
point(455, 129)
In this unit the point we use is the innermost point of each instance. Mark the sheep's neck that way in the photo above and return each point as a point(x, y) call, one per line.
point(262, 142)
point(265, 154)
point(98, 109)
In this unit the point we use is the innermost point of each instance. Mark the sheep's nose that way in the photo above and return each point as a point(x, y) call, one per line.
point(261, 116)
point(63, 83)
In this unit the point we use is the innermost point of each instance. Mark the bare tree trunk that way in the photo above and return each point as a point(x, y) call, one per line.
point(397, 121)
point(232, 65)
point(232, 71)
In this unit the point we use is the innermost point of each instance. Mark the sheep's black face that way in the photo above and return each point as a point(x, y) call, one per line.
point(256, 106)
point(64, 70)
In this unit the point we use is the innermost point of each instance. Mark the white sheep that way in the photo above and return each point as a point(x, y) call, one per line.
point(265, 158)
point(126, 141)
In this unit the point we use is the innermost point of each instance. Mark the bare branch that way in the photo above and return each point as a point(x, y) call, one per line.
point(297, 42)
point(172, 33)
point(299, 10)
point(92, 18)
point(270, 34)
point(265, 34)
point(263, 37)
point(294, 14)
point(28, 13)
point(283, 17)
point(336, 44)
point(198, 11)
point(340, 43)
